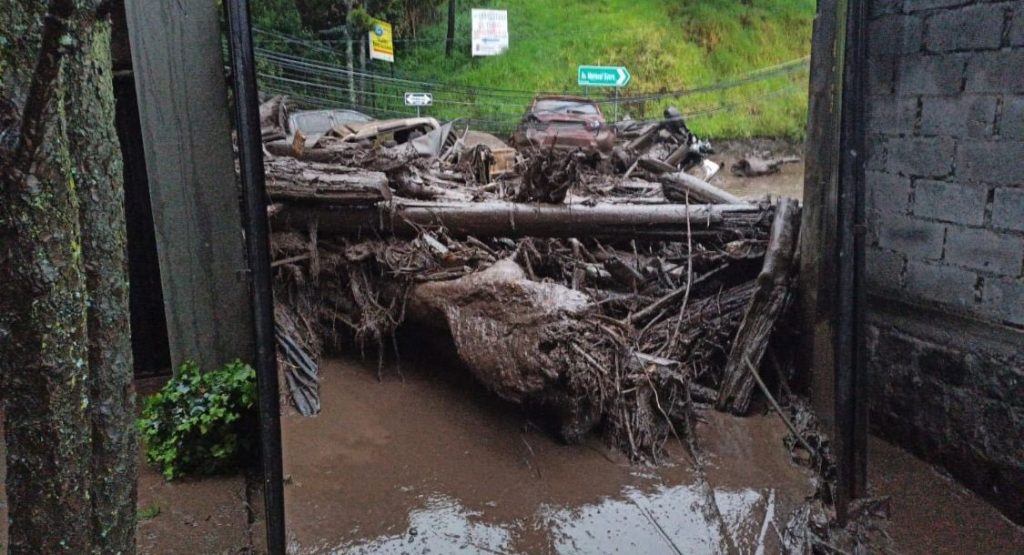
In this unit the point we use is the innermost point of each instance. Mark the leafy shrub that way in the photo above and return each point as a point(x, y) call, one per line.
point(201, 423)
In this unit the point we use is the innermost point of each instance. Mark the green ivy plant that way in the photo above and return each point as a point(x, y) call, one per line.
point(201, 423)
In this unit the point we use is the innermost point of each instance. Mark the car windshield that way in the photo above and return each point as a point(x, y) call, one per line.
point(321, 121)
point(566, 107)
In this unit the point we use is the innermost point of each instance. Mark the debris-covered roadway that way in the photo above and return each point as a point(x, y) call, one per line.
point(614, 292)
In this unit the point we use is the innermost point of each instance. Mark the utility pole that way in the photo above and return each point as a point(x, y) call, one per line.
point(451, 29)
point(350, 63)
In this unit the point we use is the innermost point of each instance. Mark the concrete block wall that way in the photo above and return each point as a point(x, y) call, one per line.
point(945, 261)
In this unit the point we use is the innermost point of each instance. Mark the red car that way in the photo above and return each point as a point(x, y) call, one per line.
point(564, 122)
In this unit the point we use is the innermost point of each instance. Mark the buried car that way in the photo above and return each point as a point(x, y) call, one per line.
point(564, 122)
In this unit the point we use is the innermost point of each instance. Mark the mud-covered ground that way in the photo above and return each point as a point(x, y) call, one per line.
point(789, 182)
point(434, 464)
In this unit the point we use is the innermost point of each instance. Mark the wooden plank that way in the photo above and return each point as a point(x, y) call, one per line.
point(818, 284)
point(179, 77)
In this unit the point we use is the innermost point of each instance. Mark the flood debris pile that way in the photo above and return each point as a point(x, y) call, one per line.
point(613, 292)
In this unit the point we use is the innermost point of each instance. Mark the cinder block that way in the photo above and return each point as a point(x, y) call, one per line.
point(990, 162)
point(887, 193)
point(972, 27)
point(881, 7)
point(946, 365)
point(943, 284)
point(921, 5)
point(950, 202)
point(881, 75)
point(874, 158)
point(884, 269)
point(935, 74)
point(895, 34)
point(959, 116)
point(1011, 121)
point(1008, 209)
point(1004, 300)
point(914, 238)
point(891, 114)
point(985, 250)
point(1017, 28)
point(996, 72)
point(920, 156)
point(997, 377)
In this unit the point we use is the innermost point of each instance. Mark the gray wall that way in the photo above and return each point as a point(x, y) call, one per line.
point(946, 236)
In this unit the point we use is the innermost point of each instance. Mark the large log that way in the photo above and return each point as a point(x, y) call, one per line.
point(289, 179)
point(763, 311)
point(680, 186)
point(511, 333)
point(507, 219)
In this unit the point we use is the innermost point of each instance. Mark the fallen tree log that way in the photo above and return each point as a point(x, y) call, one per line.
point(764, 309)
point(514, 335)
point(289, 179)
point(507, 219)
point(680, 186)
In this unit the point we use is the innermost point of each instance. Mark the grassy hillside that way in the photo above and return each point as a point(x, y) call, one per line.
point(668, 45)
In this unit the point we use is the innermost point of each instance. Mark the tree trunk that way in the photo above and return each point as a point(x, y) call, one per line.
point(508, 219)
point(65, 353)
point(96, 156)
point(43, 344)
point(764, 309)
point(450, 45)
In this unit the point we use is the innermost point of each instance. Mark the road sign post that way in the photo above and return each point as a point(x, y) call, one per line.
point(419, 100)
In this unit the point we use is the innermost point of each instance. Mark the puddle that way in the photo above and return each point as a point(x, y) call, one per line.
point(434, 464)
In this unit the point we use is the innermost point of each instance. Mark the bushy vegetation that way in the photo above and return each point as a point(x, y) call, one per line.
point(668, 45)
point(201, 423)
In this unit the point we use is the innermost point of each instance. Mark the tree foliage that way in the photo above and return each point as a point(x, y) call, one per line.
point(292, 16)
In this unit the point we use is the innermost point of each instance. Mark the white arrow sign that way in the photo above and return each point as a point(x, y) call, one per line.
point(603, 76)
point(419, 99)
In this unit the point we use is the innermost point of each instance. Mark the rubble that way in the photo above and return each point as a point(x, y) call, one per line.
point(611, 293)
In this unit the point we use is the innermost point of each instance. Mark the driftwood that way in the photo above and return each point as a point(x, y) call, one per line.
point(764, 309)
point(507, 219)
point(510, 332)
point(754, 167)
point(274, 118)
point(680, 186)
point(292, 180)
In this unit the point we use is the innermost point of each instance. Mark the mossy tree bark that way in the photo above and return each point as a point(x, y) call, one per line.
point(96, 156)
point(65, 359)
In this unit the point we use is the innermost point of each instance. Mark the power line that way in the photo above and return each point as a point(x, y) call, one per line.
point(785, 68)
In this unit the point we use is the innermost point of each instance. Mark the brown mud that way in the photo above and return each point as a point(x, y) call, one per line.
point(787, 183)
point(435, 464)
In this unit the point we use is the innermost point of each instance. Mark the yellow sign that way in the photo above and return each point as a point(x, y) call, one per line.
point(381, 46)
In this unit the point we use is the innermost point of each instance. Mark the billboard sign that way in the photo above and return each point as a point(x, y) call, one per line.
point(490, 32)
point(381, 45)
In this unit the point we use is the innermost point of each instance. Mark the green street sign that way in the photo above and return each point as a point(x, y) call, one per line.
point(603, 76)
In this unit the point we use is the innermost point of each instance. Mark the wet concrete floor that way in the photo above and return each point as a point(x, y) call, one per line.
point(434, 464)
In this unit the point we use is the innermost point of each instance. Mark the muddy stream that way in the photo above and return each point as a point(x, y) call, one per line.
point(435, 464)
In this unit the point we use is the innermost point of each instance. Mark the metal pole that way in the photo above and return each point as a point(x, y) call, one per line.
point(615, 117)
point(257, 242)
point(851, 371)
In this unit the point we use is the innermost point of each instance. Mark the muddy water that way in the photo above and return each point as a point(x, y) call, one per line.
point(433, 464)
point(789, 182)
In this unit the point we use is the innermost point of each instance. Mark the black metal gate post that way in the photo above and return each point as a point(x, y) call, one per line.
point(257, 241)
point(851, 410)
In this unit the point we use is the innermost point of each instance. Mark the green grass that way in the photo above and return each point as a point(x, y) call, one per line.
point(668, 45)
